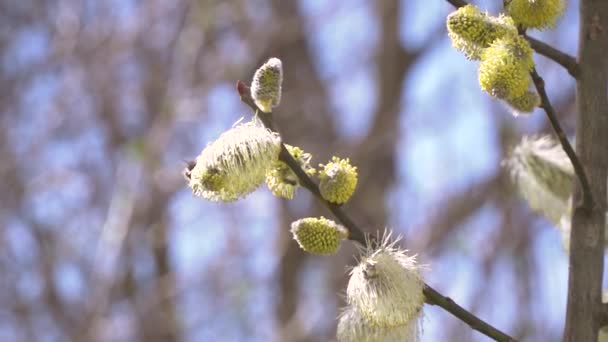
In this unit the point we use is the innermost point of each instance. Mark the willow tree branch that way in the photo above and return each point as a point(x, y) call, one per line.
point(559, 132)
point(603, 315)
point(587, 235)
point(433, 297)
point(561, 58)
point(546, 105)
point(457, 3)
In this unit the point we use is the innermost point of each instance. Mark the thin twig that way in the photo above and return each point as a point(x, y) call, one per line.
point(457, 3)
point(433, 297)
point(546, 105)
point(559, 132)
point(561, 58)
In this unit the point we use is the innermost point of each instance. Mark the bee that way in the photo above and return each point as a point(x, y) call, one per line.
point(187, 173)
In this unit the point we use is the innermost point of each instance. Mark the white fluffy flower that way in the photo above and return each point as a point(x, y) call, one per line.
point(543, 174)
point(386, 286)
point(236, 163)
point(353, 327)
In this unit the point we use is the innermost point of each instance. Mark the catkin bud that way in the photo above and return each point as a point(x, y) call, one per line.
point(318, 235)
point(524, 104)
point(338, 180)
point(353, 327)
point(235, 164)
point(281, 180)
point(471, 31)
point(266, 85)
point(543, 174)
point(386, 287)
point(504, 68)
point(539, 14)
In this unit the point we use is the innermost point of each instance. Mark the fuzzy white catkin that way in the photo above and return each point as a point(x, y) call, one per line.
point(543, 174)
point(236, 163)
point(353, 327)
point(386, 286)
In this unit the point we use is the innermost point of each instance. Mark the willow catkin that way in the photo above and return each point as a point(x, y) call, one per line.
point(236, 163)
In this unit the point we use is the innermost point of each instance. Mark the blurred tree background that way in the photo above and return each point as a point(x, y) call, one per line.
point(101, 103)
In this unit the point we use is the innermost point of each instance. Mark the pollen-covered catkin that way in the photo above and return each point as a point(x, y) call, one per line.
point(505, 66)
point(471, 31)
point(338, 180)
point(266, 85)
point(318, 235)
point(538, 14)
point(236, 163)
point(525, 103)
point(281, 180)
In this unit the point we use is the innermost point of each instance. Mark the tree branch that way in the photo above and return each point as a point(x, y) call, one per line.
point(561, 58)
point(603, 315)
point(356, 233)
point(559, 132)
point(586, 263)
point(546, 105)
point(457, 3)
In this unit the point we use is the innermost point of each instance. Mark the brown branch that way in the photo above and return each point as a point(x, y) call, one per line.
point(561, 58)
point(457, 3)
point(603, 315)
point(586, 263)
point(559, 132)
point(356, 233)
point(546, 105)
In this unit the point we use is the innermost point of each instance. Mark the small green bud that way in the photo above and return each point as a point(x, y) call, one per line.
point(524, 104)
point(543, 174)
point(281, 180)
point(266, 85)
point(235, 164)
point(386, 287)
point(539, 14)
point(338, 180)
point(504, 68)
point(471, 31)
point(353, 327)
point(318, 235)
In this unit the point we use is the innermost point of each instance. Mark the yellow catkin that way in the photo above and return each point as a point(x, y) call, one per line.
point(471, 31)
point(338, 180)
point(318, 235)
point(505, 66)
point(280, 178)
point(538, 14)
point(524, 104)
